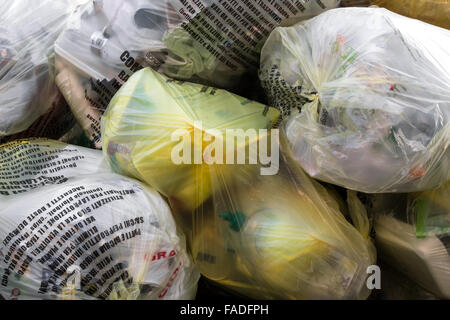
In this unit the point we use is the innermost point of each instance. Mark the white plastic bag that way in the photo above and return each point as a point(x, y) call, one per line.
point(72, 229)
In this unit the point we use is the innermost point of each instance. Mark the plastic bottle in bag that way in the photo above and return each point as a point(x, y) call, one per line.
point(72, 229)
point(373, 91)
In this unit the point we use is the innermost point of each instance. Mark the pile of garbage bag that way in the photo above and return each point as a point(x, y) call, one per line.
point(253, 243)
point(273, 149)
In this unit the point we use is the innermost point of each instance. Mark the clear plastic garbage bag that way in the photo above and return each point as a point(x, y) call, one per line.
point(144, 131)
point(72, 229)
point(28, 30)
point(374, 95)
point(355, 3)
point(211, 42)
point(413, 235)
point(277, 235)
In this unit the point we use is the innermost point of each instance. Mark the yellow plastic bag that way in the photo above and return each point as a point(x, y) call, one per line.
point(436, 12)
point(141, 126)
point(279, 237)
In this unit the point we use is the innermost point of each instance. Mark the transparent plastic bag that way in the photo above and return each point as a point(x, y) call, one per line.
point(413, 235)
point(144, 123)
point(205, 41)
point(72, 229)
point(355, 3)
point(431, 11)
point(373, 91)
point(28, 94)
point(429, 211)
point(263, 236)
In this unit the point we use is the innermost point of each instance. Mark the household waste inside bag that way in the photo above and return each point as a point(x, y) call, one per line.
point(72, 229)
point(28, 30)
point(374, 95)
point(436, 12)
point(264, 236)
point(210, 42)
point(194, 179)
point(145, 125)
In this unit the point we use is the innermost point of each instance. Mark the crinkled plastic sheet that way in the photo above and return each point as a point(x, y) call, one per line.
point(263, 236)
point(140, 131)
point(374, 95)
point(72, 229)
point(206, 41)
point(355, 3)
point(28, 30)
point(413, 235)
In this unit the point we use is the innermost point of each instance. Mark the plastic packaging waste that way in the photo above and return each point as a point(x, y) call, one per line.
point(28, 30)
point(355, 3)
point(413, 235)
point(211, 42)
point(374, 98)
point(431, 11)
point(72, 229)
point(152, 119)
point(263, 236)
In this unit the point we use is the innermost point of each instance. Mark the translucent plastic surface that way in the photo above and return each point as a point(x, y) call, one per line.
point(264, 236)
point(72, 229)
point(374, 95)
point(28, 30)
